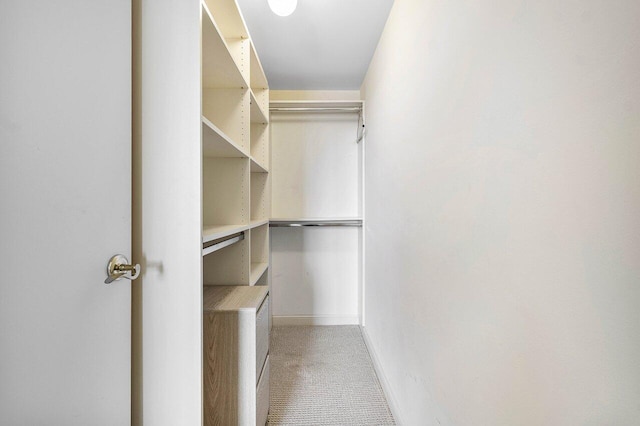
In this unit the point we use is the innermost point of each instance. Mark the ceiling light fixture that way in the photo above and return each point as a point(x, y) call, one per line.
point(283, 7)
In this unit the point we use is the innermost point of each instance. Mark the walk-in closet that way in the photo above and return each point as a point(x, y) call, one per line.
point(319, 212)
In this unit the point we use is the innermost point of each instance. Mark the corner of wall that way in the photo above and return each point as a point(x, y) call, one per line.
point(382, 378)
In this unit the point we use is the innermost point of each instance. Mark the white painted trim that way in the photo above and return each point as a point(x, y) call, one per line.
point(315, 320)
point(384, 383)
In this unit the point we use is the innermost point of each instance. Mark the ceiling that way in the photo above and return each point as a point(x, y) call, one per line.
point(323, 45)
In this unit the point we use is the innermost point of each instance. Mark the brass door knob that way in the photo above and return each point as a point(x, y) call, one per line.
point(119, 267)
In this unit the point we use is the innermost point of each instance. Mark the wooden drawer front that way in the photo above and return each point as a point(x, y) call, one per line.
point(262, 336)
point(262, 409)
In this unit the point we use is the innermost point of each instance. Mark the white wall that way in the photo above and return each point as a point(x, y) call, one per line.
point(315, 162)
point(315, 275)
point(503, 206)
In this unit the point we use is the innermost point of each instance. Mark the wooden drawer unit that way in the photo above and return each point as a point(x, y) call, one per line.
point(236, 360)
point(262, 337)
point(263, 395)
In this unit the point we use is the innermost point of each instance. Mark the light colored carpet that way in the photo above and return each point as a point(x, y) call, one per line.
point(324, 376)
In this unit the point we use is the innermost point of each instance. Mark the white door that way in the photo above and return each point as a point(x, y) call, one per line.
point(65, 194)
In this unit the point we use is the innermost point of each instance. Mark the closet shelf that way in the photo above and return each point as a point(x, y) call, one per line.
point(257, 114)
point(258, 77)
point(219, 69)
point(214, 232)
point(302, 106)
point(257, 270)
point(256, 167)
point(233, 298)
point(215, 143)
point(258, 222)
point(229, 18)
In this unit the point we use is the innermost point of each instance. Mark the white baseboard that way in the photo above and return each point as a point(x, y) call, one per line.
point(315, 320)
point(384, 383)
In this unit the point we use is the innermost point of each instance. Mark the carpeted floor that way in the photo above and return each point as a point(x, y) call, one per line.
point(324, 376)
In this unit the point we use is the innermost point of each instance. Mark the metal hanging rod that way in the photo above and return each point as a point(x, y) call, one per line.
point(220, 243)
point(316, 109)
point(324, 106)
point(292, 223)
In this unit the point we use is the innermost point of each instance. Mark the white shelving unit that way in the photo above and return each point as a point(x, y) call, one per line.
point(235, 148)
point(235, 208)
